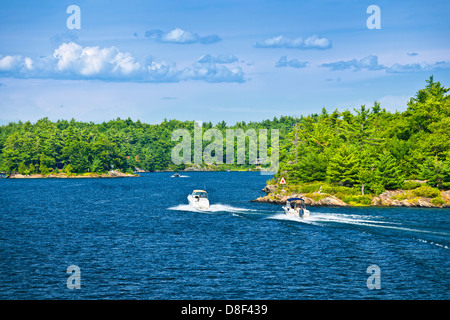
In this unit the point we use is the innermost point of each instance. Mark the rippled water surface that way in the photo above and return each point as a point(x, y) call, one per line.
point(137, 238)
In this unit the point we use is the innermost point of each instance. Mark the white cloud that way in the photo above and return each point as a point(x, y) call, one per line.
point(9, 63)
point(371, 63)
point(312, 42)
point(211, 69)
point(73, 61)
point(125, 64)
point(15, 64)
point(181, 36)
point(418, 67)
point(293, 63)
point(162, 72)
point(94, 61)
point(221, 58)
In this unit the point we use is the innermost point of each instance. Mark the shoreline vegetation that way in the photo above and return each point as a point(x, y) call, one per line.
point(325, 195)
point(370, 157)
point(63, 175)
point(364, 157)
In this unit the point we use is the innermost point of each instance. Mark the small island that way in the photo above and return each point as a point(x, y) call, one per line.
point(369, 157)
point(58, 175)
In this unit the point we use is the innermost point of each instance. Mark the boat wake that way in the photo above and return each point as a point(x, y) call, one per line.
point(214, 208)
point(327, 219)
point(282, 216)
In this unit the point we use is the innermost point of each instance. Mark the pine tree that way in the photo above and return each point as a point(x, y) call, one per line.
point(23, 168)
point(387, 172)
point(343, 167)
point(311, 167)
point(436, 172)
point(359, 130)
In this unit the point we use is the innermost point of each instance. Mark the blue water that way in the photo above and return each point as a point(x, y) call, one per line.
point(136, 238)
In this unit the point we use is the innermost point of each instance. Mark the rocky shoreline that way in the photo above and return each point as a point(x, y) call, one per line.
point(61, 175)
point(386, 199)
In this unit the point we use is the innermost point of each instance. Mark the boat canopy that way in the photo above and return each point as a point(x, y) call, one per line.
point(295, 199)
point(200, 191)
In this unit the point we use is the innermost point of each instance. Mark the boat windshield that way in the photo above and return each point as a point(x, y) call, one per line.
point(200, 194)
point(297, 204)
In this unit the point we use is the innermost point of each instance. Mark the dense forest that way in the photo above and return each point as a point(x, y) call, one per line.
point(125, 145)
point(372, 149)
point(367, 148)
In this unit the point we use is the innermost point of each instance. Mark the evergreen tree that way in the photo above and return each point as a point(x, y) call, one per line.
point(44, 170)
point(23, 168)
point(387, 172)
point(436, 172)
point(430, 105)
point(311, 167)
point(343, 167)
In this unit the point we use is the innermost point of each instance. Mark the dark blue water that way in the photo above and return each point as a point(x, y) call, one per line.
point(136, 238)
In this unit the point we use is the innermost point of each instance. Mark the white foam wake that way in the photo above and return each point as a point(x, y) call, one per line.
point(212, 208)
point(323, 219)
point(282, 216)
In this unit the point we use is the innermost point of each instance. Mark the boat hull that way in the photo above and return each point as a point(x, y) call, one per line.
point(301, 213)
point(198, 203)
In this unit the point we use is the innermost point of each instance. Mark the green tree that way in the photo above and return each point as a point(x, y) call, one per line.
point(437, 172)
point(343, 167)
point(387, 173)
point(68, 169)
point(23, 168)
point(44, 169)
point(430, 105)
point(311, 167)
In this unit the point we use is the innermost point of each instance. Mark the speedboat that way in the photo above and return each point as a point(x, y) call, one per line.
point(199, 199)
point(296, 207)
point(176, 175)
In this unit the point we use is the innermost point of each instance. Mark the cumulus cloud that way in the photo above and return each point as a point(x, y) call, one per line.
point(95, 62)
point(371, 63)
point(312, 42)
point(293, 63)
point(162, 72)
point(418, 67)
point(10, 65)
point(221, 58)
point(73, 61)
point(211, 69)
point(181, 36)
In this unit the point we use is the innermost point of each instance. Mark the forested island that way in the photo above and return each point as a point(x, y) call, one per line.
point(370, 156)
point(356, 156)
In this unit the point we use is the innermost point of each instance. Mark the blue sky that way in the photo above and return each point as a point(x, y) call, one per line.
point(213, 60)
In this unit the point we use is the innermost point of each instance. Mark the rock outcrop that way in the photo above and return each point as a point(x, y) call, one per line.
point(327, 201)
point(389, 198)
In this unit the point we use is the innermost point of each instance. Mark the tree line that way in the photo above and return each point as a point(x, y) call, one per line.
point(373, 149)
point(369, 148)
point(80, 147)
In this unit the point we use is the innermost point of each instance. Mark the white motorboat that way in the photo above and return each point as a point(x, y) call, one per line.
point(199, 199)
point(296, 207)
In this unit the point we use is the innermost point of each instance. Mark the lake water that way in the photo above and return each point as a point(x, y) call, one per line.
point(137, 238)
